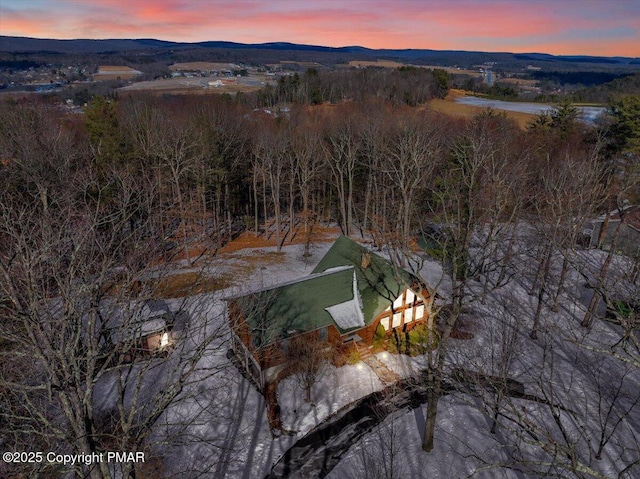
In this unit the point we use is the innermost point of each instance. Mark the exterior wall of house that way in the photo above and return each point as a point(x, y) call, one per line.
point(157, 341)
point(263, 364)
point(334, 335)
point(367, 333)
point(147, 346)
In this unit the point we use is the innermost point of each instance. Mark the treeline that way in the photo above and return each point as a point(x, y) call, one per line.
point(207, 164)
point(585, 78)
point(406, 85)
point(625, 85)
point(576, 87)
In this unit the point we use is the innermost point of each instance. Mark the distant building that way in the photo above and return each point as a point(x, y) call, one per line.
point(488, 77)
point(601, 231)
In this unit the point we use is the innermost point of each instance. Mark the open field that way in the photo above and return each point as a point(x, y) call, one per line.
point(518, 81)
point(450, 107)
point(301, 64)
point(190, 66)
point(376, 63)
point(190, 86)
point(453, 70)
point(115, 72)
point(392, 64)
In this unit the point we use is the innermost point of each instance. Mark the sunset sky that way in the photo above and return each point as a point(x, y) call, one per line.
point(586, 27)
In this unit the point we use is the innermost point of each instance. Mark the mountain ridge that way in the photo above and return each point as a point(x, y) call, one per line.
point(25, 45)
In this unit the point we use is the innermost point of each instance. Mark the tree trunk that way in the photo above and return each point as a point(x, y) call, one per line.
point(264, 201)
point(603, 232)
point(563, 275)
point(255, 202)
point(544, 278)
point(587, 321)
point(432, 411)
point(183, 222)
point(227, 207)
point(535, 285)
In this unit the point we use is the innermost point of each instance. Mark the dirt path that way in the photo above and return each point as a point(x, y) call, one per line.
point(386, 375)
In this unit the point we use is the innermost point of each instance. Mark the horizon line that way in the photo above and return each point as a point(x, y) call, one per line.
point(313, 45)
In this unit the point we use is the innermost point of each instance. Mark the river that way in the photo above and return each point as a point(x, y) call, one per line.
point(588, 114)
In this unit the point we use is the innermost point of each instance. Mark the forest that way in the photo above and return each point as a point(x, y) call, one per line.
point(93, 206)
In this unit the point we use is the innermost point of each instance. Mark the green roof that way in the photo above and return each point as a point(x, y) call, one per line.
point(300, 306)
point(292, 308)
point(379, 281)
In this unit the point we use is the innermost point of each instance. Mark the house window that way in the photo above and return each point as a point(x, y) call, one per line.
point(385, 323)
point(408, 315)
point(397, 320)
point(397, 304)
point(410, 297)
point(420, 312)
point(323, 335)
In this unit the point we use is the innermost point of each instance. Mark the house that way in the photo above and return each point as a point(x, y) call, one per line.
point(143, 329)
point(600, 231)
point(351, 292)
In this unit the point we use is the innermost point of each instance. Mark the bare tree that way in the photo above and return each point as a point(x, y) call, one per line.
point(341, 154)
point(413, 153)
point(308, 358)
point(306, 147)
point(73, 281)
point(463, 204)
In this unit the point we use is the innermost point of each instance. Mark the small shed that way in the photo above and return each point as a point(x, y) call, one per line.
point(145, 328)
point(601, 231)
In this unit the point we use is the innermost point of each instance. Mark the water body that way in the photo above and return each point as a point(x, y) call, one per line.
point(588, 114)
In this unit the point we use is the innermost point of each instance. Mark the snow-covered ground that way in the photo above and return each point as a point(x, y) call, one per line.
point(220, 428)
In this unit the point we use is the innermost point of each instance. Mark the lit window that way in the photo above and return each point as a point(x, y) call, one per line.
point(385, 323)
point(408, 315)
point(410, 296)
point(397, 304)
point(164, 340)
point(397, 320)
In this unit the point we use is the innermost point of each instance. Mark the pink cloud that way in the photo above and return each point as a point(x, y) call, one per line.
point(556, 26)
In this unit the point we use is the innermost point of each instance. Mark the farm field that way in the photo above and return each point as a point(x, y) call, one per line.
point(203, 66)
point(193, 86)
point(376, 63)
point(115, 72)
point(519, 81)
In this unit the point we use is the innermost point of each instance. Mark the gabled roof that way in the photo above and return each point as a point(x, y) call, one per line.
point(379, 281)
point(292, 308)
point(349, 288)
